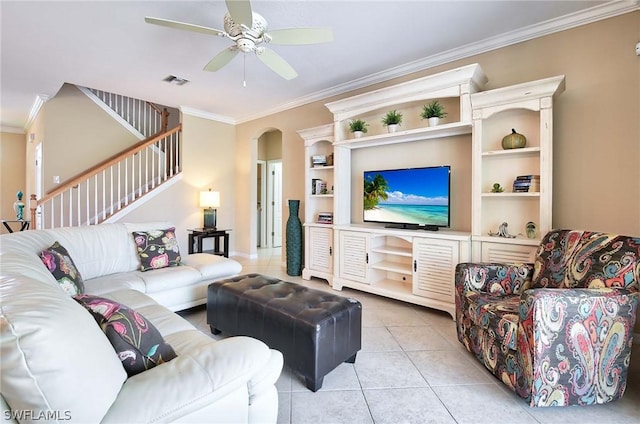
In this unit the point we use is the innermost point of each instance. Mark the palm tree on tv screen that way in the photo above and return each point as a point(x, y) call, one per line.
point(375, 189)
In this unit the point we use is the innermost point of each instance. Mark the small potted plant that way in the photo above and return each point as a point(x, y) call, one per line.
point(433, 112)
point(392, 120)
point(358, 127)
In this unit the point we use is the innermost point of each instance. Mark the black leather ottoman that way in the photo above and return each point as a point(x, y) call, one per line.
point(315, 331)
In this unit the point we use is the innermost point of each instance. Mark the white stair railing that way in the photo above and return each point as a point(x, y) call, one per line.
point(107, 188)
point(147, 118)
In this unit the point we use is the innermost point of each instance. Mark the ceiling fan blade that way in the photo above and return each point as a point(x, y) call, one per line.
point(293, 36)
point(221, 59)
point(184, 26)
point(277, 64)
point(240, 11)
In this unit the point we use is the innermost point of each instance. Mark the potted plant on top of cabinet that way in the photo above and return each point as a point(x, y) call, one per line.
point(392, 120)
point(358, 127)
point(433, 112)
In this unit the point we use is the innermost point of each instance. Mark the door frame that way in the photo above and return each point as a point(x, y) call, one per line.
point(262, 212)
point(271, 203)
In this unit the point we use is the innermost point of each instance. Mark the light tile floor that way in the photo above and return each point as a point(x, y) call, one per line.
point(412, 369)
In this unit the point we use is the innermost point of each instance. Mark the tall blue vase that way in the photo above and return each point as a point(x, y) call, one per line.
point(294, 240)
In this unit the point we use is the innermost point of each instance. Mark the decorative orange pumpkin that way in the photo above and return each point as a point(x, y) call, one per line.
point(514, 140)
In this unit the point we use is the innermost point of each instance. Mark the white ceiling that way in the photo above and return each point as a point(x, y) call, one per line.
point(108, 46)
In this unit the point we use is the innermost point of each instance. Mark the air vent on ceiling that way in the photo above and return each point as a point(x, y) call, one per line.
point(175, 80)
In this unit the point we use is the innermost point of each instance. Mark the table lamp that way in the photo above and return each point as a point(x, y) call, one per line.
point(209, 200)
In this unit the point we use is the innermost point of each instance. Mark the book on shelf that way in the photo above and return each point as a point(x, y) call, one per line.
point(319, 187)
point(319, 160)
point(325, 218)
point(526, 184)
point(527, 177)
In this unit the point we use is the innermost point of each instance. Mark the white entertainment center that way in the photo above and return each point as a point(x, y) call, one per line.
point(418, 266)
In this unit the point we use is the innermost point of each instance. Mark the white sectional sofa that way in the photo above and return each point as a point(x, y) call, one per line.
point(58, 364)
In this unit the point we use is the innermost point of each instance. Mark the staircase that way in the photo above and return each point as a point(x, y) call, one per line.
point(147, 118)
point(107, 189)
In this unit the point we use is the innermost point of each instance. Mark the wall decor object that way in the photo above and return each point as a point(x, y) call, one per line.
point(497, 188)
point(433, 112)
point(531, 229)
point(294, 240)
point(502, 231)
point(514, 140)
point(18, 206)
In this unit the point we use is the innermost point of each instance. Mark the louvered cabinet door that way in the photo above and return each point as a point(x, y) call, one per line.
point(434, 268)
point(507, 253)
point(321, 249)
point(353, 256)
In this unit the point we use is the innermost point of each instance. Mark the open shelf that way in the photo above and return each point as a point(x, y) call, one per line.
point(512, 152)
point(392, 267)
point(417, 134)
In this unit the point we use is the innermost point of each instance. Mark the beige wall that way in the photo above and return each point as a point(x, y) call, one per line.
point(208, 147)
point(12, 174)
point(79, 134)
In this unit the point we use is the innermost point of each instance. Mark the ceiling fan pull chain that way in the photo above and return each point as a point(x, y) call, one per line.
point(244, 69)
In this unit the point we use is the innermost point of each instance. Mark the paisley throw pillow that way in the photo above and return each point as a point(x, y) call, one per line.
point(157, 249)
point(137, 342)
point(61, 266)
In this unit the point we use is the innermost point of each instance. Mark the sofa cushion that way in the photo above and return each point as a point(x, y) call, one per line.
point(500, 313)
point(169, 278)
point(59, 263)
point(212, 267)
point(157, 248)
point(50, 347)
point(137, 342)
point(119, 281)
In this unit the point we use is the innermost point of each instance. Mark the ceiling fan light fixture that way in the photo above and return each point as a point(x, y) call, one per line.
point(247, 30)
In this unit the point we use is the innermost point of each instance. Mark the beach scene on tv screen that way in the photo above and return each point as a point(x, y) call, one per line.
point(412, 196)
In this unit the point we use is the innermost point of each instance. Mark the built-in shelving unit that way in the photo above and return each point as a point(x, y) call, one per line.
point(419, 266)
point(528, 108)
point(413, 266)
point(318, 141)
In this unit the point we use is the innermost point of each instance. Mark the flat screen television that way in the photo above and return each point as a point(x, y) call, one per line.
point(409, 197)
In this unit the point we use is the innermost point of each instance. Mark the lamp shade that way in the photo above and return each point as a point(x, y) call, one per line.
point(209, 199)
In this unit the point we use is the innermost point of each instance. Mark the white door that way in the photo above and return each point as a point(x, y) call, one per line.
point(38, 169)
point(261, 210)
point(274, 201)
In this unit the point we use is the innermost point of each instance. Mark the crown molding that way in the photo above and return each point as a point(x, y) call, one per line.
point(207, 115)
point(38, 102)
point(12, 130)
point(586, 16)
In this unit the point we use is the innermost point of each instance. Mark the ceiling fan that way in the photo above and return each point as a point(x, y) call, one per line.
point(248, 30)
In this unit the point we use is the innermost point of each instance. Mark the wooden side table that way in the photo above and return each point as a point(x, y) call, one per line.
point(196, 235)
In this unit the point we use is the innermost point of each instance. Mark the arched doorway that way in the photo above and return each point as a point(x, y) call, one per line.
point(268, 187)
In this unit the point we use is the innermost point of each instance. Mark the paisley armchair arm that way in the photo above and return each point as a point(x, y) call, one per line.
point(575, 344)
point(494, 278)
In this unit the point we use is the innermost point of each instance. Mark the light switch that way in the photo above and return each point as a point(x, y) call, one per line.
point(56, 179)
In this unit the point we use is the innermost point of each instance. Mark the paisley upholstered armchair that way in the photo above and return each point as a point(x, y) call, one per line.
point(558, 331)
